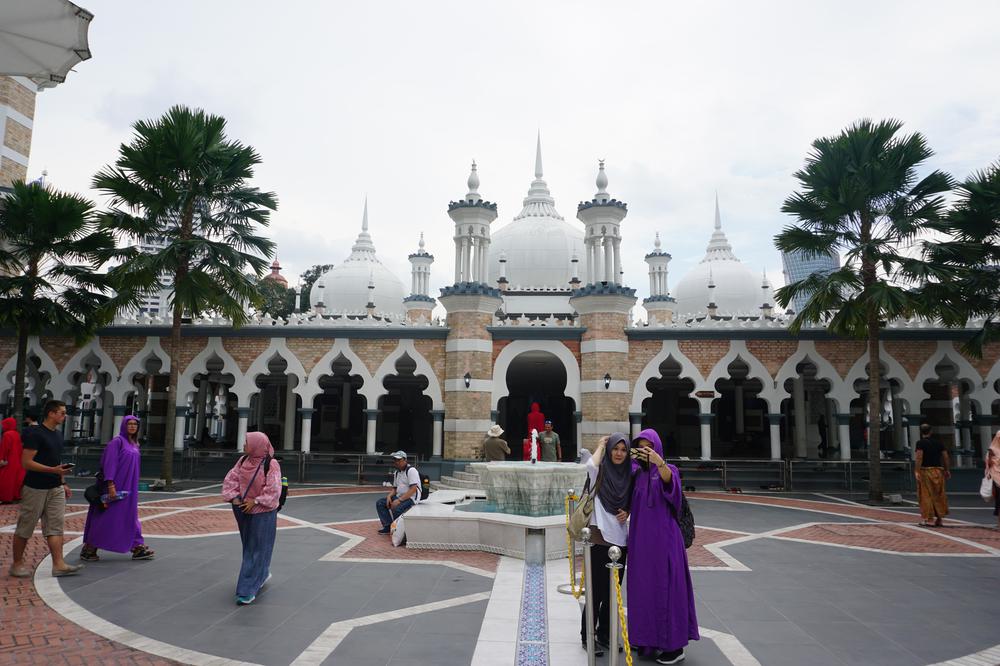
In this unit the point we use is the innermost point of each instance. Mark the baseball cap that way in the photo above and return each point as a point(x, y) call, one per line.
point(398, 455)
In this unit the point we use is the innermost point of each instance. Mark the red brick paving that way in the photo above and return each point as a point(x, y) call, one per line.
point(33, 633)
point(893, 538)
point(872, 513)
point(379, 547)
point(196, 521)
point(698, 556)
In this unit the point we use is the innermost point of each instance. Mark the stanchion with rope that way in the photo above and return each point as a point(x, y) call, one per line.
point(615, 554)
point(573, 588)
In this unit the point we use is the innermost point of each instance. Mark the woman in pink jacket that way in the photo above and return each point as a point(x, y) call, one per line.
point(993, 469)
point(253, 487)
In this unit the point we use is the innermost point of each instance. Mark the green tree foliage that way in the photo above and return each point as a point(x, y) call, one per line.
point(860, 196)
point(51, 251)
point(183, 179)
point(308, 279)
point(276, 299)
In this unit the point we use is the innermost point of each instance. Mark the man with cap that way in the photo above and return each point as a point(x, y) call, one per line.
point(549, 441)
point(404, 494)
point(495, 448)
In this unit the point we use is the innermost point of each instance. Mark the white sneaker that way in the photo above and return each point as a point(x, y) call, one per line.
point(675, 657)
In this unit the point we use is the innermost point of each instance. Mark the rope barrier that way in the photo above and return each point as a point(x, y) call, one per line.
point(575, 590)
point(626, 647)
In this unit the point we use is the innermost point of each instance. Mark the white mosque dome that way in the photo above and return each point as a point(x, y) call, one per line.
point(345, 287)
point(737, 290)
point(538, 244)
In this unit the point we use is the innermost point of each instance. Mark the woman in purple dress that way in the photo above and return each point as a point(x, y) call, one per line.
point(116, 528)
point(661, 613)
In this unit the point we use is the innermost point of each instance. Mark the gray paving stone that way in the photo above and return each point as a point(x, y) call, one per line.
point(774, 632)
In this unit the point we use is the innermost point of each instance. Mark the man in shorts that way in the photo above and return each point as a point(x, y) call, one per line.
point(45, 492)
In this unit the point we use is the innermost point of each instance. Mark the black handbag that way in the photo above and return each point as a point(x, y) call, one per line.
point(93, 492)
point(686, 522)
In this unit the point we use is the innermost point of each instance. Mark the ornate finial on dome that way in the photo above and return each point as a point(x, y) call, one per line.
point(718, 216)
point(473, 183)
point(718, 248)
point(656, 243)
point(538, 156)
point(602, 183)
point(421, 243)
point(364, 241)
point(364, 217)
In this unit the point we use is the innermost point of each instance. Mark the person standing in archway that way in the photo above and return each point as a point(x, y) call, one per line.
point(536, 419)
point(551, 447)
point(494, 448)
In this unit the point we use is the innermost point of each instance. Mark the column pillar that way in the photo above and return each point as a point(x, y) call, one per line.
point(243, 414)
point(653, 282)
point(609, 261)
point(119, 417)
point(706, 435)
point(844, 435)
point(799, 405)
point(913, 431)
point(458, 260)
point(965, 413)
point(179, 415)
point(307, 416)
point(437, 441)
point(984, 423)
point(200, 400)
point(774, 423)
point(897, 424)
point(288, 434)
point(635, 424)
point(371, 422)
point(616, 245)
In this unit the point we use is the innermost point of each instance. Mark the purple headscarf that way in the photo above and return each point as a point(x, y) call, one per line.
point(123, 431)
point(648, 475)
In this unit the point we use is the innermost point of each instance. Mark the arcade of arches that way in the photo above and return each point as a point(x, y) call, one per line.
point(736, 398)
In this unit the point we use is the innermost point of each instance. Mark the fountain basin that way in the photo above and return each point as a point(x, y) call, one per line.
point(523, 489)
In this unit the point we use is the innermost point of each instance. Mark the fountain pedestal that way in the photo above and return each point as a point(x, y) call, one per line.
point(526, 489)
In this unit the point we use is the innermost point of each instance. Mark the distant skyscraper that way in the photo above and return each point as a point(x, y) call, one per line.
point(797, 266)
point(156, 304)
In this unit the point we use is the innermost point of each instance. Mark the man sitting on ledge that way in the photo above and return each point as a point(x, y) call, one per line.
point(404, 494)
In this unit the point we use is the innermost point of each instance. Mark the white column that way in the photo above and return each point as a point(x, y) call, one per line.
point(370, 426)
point(466, 259)
point(652, 282)
point(590, 262)
point(609, 261)
point(413, 280)
point(243, 415)
point(119, 418)
point(307, 415)
point(965, 412)
point(897, 424)
point(985, 436)
point(799, 405)
point(598, 271)
point(484, 262)
point(774, 422)
point(288, 436)
point(458, 260)
point(179, 428)
point(199, 426)
point(706, 436)
point(437, 441)
point(738, 400)
point(662, 279)
point(616, 247)
point(913, 432)
point(844, 435)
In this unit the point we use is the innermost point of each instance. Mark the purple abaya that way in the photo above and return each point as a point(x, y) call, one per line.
point(661, 612)
point(117, 528)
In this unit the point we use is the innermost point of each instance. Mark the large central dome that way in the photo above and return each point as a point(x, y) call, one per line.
point(538, 244)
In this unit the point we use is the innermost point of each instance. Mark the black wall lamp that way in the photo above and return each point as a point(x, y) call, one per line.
point(607, 381)
point(468, 380)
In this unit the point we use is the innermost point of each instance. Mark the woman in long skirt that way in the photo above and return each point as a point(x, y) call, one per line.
point(993, 470)
point(253, 487)
point(117, 528)
point(11, 471)
point(661, 612)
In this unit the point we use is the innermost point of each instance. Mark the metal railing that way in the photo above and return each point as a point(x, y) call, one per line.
point(729, 473)
point(896, 474)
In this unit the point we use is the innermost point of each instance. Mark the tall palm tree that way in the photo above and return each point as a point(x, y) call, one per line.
point(181, 178)
point(860, 196)
point(51, 249)
point(970, 252)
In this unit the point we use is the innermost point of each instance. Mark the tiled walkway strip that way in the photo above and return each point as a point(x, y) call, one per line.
point(532, 632)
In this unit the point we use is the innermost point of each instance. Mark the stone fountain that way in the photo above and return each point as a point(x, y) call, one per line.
point(529, 489)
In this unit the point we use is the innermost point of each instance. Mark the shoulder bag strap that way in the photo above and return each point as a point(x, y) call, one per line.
point(244, 495)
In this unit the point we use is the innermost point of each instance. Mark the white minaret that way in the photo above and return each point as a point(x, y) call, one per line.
point(766, 308)
point(472, 217)
point(420, 303)
point(602, 217)
point(713, 309)
point(660, 303)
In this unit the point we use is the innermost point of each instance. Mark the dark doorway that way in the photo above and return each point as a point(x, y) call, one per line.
point(404, 413)
point(537, 376)
point(672, 412)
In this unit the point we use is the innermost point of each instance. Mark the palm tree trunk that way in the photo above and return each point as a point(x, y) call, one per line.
point(20, 371)
point(175, 373)
point(874, 412)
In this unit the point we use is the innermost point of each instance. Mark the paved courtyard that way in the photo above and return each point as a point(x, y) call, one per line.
point(779, 579)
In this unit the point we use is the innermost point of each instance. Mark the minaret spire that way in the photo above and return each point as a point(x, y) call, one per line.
point(718, 216)
point(538, 156)
point(364, 216)
point(364, 240)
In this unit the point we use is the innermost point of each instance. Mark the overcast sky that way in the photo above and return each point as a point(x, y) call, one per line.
point(395, 99)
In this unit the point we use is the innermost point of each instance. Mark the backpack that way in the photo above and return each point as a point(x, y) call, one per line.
point(267, 469)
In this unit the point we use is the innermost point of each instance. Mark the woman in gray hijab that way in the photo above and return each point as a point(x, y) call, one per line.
point(610, 472)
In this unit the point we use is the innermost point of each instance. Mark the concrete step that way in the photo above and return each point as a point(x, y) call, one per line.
point(467, 476)
point(453, 483)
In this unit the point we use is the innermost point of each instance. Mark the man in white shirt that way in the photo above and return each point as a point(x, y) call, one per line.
point(404, 494)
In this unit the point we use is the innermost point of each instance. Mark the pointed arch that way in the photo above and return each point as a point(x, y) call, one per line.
point(278, 347)
point(517, 347)
point(199, 364)
point(670, 349)
point(388, 367)
point(738, 351)
point(911, 393)
point(807, 352)
point(310, 388)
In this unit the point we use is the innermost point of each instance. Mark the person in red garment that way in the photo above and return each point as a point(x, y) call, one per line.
point(11, 470)
point(536, 421)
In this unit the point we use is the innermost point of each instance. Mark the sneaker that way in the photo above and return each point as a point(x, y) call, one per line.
point(141, 553)
point(245, 601)
point(89, 555)
point(598, 652)
point(384, 530)
point(70, 570)
point(672, 657)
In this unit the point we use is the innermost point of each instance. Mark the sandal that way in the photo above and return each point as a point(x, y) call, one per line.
point(142, 553)
point(88, 554)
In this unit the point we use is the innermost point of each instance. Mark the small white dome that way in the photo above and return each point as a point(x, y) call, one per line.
point(737, 289)
point(344, 288)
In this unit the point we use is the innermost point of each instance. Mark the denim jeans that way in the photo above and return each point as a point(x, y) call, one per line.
point(257, 532)
point(387, 516)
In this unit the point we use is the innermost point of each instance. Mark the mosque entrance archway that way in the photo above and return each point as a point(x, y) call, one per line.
point(338, 423)
point(740, 426)
point(672, 412)
point(404, 412)
point(537, 376)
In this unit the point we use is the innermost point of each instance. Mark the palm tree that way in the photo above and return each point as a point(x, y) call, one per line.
point(861, 196)
point(182, 179)
point(970, 252)
point(50, 252)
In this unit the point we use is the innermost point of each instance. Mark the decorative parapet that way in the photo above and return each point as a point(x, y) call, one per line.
point(594, 203)
point(412, 298)
point(470, 289)
point(604, 289)
point(478, 203)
